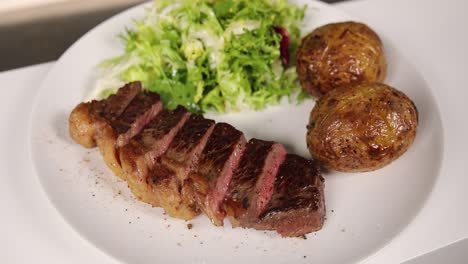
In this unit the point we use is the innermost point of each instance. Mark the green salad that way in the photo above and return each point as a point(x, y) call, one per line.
point(210, 55)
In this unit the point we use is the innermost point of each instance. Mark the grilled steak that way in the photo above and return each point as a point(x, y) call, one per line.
point(110, 125)
point(169, 193)
point(187, 164)
point(138, 113)
point(87, 119)
point(209, 183)
point(252, 184)
point(184, 152)
point(141, 153)
point(297, 205)
point(168, 175)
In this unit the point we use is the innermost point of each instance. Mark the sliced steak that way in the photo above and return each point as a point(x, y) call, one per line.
point(188, 164)
point(138, 113)
point(142, 152)
point(141, 110)
point(168, 192)
point(208, 184)
point(252, 183)
point(111, 122)
point(184, 152)
point(297, 205)
point(168, 176)
point(87, 119)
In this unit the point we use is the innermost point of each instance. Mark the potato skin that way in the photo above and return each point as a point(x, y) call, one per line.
point(361, 127)
point(339, 54)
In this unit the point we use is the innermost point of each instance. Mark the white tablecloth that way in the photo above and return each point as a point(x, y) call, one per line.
point(430, 33)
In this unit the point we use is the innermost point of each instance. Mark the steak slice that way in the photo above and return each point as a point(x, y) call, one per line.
point(167, 191)
point(141, 110)
point(252, 183)
point(138, 113)
point(168, 176)
point(208, 184)
point(184, 152)
point(88, 118)
point(111, 122)
point(142, 152)
point(297, 205)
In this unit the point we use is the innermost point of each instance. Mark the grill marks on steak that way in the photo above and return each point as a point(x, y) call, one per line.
point(252, 183)
point(168, 176)
point(297, 205)
point(209, 183)
point(187, 164)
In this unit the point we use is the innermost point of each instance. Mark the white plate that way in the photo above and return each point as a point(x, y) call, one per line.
point(364, 211)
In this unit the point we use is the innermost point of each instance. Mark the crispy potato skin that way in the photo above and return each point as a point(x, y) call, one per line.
point(361, 127)
point(339, 54)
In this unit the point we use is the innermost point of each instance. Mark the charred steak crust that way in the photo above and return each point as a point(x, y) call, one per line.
point(218, 149)
point(87, 120)
point(168, 193)
point(209, 184)
point(142, 152)
point(245, 177)
point(184, 151)
point(157, 129)
point(113, 106)
point(111, 122)
point(167, 177)
point(297, 206)
point(252, 183)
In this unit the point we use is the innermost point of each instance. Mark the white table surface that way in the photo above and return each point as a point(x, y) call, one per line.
point(431, 33)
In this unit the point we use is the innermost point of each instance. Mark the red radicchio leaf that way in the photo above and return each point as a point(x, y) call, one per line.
point(284, 44)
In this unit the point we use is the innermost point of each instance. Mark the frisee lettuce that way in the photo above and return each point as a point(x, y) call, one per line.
point(209, 55)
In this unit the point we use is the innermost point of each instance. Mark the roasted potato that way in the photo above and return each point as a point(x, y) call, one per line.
point(361, 127)
point(339, 54)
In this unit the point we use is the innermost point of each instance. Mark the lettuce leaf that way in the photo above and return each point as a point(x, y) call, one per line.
point(209, 55)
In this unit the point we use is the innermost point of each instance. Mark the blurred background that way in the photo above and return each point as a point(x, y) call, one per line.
point(35, 31)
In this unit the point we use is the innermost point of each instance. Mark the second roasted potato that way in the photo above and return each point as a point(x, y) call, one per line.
point(362, 127)
point(339, 54)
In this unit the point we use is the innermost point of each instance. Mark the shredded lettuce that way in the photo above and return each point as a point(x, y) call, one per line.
point(209, 55)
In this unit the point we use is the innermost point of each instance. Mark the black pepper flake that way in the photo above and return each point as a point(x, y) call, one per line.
point(179, 244)
point(303, 237)
point(305, 256)
point(332, 211)
point(189, 226)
